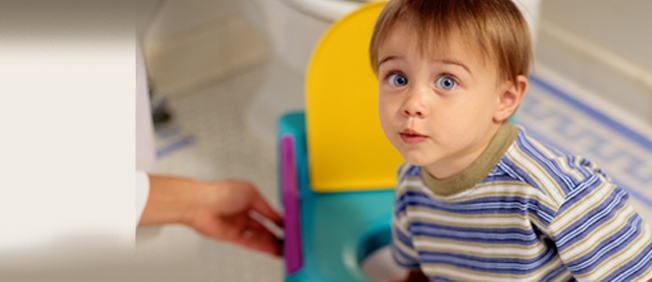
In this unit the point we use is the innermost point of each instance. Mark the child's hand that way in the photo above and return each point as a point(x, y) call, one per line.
point(415, 276)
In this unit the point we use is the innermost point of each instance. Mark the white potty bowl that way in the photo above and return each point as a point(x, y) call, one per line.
point(293, 28)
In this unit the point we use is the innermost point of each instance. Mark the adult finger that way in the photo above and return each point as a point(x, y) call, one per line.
point(260, 239)
point(261, 206)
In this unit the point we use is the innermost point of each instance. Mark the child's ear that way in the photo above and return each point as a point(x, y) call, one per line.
point(510, 99)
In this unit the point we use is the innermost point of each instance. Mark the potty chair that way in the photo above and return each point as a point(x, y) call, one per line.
point(336, 168)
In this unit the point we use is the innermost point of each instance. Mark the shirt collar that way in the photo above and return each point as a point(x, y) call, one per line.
point(478, 170)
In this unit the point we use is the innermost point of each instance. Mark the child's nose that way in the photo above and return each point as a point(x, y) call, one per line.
point(415, 106)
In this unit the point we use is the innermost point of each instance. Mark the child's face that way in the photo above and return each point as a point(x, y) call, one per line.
point(438, 109)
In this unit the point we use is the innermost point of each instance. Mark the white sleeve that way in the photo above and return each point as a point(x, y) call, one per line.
point(145, 152)
point(142, 193)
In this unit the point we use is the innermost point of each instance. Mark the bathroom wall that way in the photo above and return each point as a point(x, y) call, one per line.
point(189, 44)
point(602, 45)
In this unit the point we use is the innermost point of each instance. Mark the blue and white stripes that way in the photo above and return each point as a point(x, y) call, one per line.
point(538, 215)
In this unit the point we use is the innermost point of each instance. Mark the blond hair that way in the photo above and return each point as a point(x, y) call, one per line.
point(496, 27)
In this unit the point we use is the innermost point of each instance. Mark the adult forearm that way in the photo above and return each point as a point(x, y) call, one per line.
point(171, 200)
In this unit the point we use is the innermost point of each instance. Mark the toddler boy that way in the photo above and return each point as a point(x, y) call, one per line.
point(479, 200)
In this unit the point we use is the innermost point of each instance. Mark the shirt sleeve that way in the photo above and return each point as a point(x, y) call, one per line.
point(402, 248)
point(142, 193)
point(599, 235)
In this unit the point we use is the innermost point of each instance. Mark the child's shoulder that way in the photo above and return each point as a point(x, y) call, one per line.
point(547, 168)
point(408, 170)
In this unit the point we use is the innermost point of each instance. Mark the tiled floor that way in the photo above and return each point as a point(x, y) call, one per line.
point(208, 140)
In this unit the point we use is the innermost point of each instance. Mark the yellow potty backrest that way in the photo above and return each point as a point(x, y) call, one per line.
point(347, 150)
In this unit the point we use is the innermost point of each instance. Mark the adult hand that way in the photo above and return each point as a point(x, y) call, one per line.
point(220, 210)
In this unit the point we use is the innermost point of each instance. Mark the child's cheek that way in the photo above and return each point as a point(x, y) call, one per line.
point(384, 116)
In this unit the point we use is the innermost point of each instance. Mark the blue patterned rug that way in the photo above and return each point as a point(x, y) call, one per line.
point(556, 112)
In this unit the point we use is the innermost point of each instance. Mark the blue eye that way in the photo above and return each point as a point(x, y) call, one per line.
point(445, 82)
point(397, 80)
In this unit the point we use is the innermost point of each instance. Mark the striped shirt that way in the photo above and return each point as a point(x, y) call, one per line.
point(521, 212)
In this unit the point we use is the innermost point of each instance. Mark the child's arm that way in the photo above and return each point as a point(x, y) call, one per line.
point(623, 251)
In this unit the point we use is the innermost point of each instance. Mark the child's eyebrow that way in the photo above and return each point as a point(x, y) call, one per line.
point(453, 62)
point(387, 59)
point(445, 61)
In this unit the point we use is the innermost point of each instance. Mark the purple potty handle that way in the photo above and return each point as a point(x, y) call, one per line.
point(292, 230)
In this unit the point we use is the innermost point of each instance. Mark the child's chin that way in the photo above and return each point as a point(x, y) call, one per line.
point(415, 160)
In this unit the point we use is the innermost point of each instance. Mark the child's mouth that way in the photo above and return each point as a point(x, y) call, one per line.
point(410, 136)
